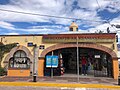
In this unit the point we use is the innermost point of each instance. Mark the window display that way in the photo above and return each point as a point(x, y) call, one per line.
point(19, 60)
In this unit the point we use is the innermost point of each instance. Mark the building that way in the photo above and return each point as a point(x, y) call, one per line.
point(100, 50)
point(118, 46)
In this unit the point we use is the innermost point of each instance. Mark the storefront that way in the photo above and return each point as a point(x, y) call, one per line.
point(99, 63)
point(99, 49)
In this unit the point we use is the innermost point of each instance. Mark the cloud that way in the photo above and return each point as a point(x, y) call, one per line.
point(13, 33)
point(48, 29)
point(103, 28)
point(6, 25)
point(115, 20)
point(114, 6)
point(93, 5)
point(85, 10)
point(62, 8)
point(47, 26)
point(42, 31)
point(52, 7)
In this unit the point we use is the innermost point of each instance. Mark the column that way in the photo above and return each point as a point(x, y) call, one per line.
point(41, 66)
point(115, 68)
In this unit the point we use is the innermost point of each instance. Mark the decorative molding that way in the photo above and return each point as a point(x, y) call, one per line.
point(85, 45)
point(11, 53)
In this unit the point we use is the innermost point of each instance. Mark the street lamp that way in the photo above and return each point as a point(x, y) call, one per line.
point(34, 63)
point(77, 59)
point(35, 58)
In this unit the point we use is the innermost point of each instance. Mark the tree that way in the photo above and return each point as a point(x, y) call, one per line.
point(5, 49)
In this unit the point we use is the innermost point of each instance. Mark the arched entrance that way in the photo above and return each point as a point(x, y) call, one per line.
point(103, 57)
point(19, 61)
point(84, 45)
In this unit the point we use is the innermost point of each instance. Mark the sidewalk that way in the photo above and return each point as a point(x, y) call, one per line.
point(85, 82)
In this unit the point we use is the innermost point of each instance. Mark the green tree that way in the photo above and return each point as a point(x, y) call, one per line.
point(5, 49)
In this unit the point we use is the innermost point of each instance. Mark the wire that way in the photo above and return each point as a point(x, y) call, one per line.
point(98, 4)
point(117, 9)
point(107, 21)
point(34, 14)
point(43, 15)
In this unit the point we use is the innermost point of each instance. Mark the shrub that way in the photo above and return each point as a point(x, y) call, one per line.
point(2, 71)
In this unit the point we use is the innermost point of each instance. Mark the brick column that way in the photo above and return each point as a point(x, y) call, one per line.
point(115, 68)
point(41, 66)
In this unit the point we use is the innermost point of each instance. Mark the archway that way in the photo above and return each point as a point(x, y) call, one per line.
point(11, 53)
point(83, 45)
point(109, 52)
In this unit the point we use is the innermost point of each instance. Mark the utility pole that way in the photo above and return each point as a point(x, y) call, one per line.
point(77, 60)
point(51, 67)
point(35, 61)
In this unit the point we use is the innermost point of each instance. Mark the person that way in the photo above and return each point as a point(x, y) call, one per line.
point(88, 64)
point(84, 66)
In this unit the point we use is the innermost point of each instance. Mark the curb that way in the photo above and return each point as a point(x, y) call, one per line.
point(58, 85)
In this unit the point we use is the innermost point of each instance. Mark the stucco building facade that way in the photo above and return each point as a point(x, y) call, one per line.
point(100, 49)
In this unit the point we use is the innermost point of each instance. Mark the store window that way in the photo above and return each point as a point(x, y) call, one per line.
point(19, 60)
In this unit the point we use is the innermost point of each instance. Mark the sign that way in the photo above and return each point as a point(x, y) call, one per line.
point(97, 56)
point(51, 61)
point(54, 61)
point(41, 47)
point(48, 61)
point(30, 44)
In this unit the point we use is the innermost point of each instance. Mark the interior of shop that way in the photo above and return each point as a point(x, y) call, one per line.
point(97, 63)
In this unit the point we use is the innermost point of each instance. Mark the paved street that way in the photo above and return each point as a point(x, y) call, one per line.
point(46, 88)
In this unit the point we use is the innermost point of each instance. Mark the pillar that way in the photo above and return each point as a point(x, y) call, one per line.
point(41, 66)
point(115, 68)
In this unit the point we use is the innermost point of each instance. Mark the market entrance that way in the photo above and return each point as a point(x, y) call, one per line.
point(98, 63)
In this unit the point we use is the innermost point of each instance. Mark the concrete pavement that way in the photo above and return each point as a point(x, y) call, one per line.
point(46, 88)
point(57, 82)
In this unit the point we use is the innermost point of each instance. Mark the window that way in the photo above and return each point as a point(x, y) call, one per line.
point(19, 60)
point(71, 29)
point(42, 47)
point(76, 29)
point(19, 53)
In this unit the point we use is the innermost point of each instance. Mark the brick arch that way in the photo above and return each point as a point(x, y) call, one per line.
point(11, 53)
point(84, 45)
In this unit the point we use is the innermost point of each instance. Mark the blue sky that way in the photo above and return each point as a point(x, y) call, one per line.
point(91, 16)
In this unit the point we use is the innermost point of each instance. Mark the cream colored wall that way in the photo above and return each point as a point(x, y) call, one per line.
point(74, 29)
point(110, 45)
point(22, 40)
point(115, 45)
point(46, 46)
